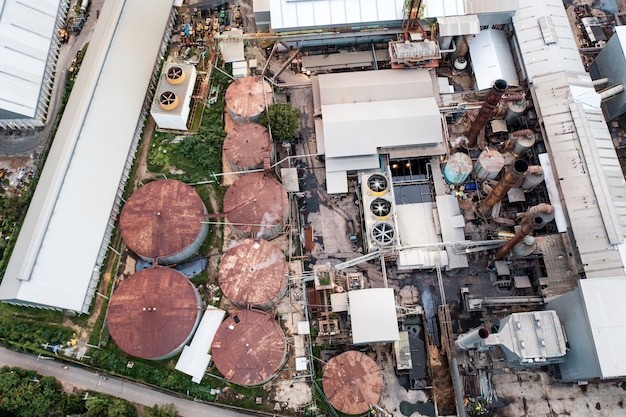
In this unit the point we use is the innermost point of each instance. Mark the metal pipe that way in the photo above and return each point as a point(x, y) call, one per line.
point(611, 91)
point(471, 338)
point(600, 82)
point(534, 219)
point(513, 177)
point(486, 111)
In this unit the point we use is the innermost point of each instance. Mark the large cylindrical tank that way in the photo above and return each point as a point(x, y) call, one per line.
point(489, 164)
point(163, 220)
point(154, 313)
point(522, 141)
point(533, 178)
point(256, 206)
point(514, 110)
point(253, 274)
point(458, 167)
point(249, 348)
point(352, 382)
point(247, 98)
point(248, 146)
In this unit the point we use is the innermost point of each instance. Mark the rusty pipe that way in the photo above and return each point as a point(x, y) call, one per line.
point(516, 97)
point(535, 218)
point(513, 177)
point(486, 111)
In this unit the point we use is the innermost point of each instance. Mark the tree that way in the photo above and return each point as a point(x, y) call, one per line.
point(283, 120)
point(102, 405)
point(167, 410)
point(25, 394)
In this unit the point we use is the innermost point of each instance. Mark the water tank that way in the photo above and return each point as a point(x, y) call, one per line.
point(489, 164)
point(154, 313)
point(163, 220)
point(458, 167)
point(246, 99)
point(256, 206)
point(247, 146)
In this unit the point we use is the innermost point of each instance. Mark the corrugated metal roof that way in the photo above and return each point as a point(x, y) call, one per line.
point(27, 29)
point(373, 315)
point(490, 6)
point(492, 58)
point(444, 8)
point(287, 14)
point(458, 25)
point(58, 247)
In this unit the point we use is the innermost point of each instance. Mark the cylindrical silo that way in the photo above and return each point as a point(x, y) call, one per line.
point(256, 206)
point(154, 313)
point(248, 146)
point(163, 220)
point(247, 98)
point(249, 348)
point(458, 167)
point(489, 164)
point(253, 274)
point(352, 382)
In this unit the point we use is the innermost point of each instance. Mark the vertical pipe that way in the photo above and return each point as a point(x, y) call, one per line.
point(486, 111)
point(534, 219)
point(511, 178)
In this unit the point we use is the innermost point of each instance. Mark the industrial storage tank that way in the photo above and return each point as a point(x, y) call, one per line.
point(249, 348)
point(154, 313)
point(352, 382)
point(248, 146)
point(256, 205)
point(163, 220)
point(458, 167)
point(489, 164)
point(247, 99)
point(253, 273)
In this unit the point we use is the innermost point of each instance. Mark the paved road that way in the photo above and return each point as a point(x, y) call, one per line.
point(88, 380)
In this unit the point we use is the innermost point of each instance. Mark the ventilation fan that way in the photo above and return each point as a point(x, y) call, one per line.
point(381, 208)
point(175, 75)
point(383, 233)
point(168, 100)
point(377, 184)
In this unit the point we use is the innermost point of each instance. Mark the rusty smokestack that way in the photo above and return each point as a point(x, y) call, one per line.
point(513, 177)
point(486, 111)
point(534, 219)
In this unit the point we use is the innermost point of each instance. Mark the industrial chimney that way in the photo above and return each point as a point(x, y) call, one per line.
point(472, 338)
point(513, 177)
point(534, 219)
point(486, 111)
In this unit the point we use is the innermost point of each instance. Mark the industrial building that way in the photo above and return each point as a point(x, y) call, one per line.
point(172, 101)
point(29, 35)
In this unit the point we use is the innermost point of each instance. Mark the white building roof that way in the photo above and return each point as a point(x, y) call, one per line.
point(458, 25)
point(59, 251)
point(492, 58)
point(444, 8)
point(604, 303)
point(373, 316)
point(287, 14)
point(27, 29)
point(174, 118)
point(195, 358)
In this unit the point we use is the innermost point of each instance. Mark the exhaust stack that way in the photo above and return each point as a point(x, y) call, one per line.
point(534, 219)
point(470, 339)
point(486, 111)
point(513, 177)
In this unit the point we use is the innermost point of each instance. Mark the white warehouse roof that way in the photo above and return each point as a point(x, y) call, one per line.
point(492, 58)
point(28, 42)
point(58, 253)
point(373, 316)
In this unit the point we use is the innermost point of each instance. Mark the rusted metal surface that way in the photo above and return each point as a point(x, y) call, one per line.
point(246, 146)
point(486, 111)
point(162, 218)
point(253, 273)
point(535, 218)
point(352, 382)
point(247, 97)
point(489, 164)
point(513, 177)
point(249, 347)
point(256, 205)
point(153, 313)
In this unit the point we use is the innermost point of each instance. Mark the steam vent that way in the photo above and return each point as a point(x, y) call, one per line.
point(256, 206)
point(154, 313)
point(253, 273)
point(249, 348)
point(163, 220)
point(247, 146)
point(246, 99)
point(352, 382)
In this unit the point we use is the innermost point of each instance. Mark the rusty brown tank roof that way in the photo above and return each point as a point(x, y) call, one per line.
point(153, 312)
point(161, 218)
point(253, 273)
point(352, 382)
point(245, 96)
point(255, 202)
point(249, 347)
point(247, 145)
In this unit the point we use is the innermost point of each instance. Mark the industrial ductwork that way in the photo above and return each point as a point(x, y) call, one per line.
point(472, 338)
point(486, 111)
point(534, 219)
point(513, 177)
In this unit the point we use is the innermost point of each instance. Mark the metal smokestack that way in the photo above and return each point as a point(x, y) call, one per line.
point(486, 111)
point(534, 219)
point(468, 340)
point(513, 177)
